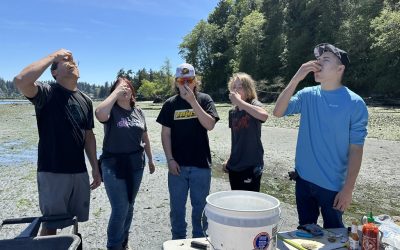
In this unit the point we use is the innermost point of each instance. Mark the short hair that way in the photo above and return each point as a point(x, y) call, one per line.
point(53, 67)
point(248, 85)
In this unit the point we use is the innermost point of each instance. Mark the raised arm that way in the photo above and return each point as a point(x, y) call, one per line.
point(103, 110)
point(25, 81)
point(257, 112)
point(284, 98)
point(205, 119)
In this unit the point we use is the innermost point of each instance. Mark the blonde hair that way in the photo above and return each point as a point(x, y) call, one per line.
point(248, 85)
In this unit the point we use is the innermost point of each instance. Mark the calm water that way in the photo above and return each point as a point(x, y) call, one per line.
point(15, 152)
point(159, 158)
point(12, 153)
point(11, 101)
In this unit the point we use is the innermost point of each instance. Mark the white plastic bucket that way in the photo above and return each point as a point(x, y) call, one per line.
point(242, 220)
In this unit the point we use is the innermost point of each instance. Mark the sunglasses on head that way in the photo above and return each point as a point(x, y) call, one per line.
point(183, 80)
point(326, 47)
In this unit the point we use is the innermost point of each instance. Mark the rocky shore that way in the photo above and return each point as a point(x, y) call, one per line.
point(377, 186)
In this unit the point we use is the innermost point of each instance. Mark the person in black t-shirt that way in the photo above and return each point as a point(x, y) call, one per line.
point(246, 161)
point(125, 139)
point(65, 121)
point(185, 119)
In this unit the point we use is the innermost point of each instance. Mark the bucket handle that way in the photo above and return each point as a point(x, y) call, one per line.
point(281, 219)
point(204, 231)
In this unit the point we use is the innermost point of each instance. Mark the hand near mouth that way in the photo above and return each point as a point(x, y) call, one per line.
point(310, 66)
point(186, 93)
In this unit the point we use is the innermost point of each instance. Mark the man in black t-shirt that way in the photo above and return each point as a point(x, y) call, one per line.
point(185, 119)
point(65, 121)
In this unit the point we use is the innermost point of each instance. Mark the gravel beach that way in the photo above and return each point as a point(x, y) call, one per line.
point(377, 187)
point(150, 227)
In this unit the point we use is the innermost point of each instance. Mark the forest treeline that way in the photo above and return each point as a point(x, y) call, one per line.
point(270, 39)
point(149, 84)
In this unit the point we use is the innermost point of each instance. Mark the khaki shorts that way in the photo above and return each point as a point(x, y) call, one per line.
point(64, 194)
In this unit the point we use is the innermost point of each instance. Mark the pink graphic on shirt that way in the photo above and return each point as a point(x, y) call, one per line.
point(128, 122)
point(123, 123)
point(240, 123)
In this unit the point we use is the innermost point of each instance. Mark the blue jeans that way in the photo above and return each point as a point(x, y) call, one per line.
point(310, 198)
point(121, 210)
point(197, 180)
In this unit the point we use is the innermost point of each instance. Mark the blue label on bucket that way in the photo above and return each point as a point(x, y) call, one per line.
point(261, 241)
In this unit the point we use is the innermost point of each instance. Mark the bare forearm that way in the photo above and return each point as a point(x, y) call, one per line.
point(206, 120)
point(166, 142)
point(354, 165)
point(257, 112)
point(33, 71)
point(90, 148)
point(147, 147)
point(25, 81)
point(343, 198)
point(284, 98)
point(103, 110)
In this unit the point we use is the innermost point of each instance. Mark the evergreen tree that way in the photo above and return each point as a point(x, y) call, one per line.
point(385, 47)
point(273, 45)
point(250, 38)
point(355, 39)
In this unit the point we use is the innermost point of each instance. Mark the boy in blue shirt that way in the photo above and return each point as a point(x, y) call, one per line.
point(333, 127)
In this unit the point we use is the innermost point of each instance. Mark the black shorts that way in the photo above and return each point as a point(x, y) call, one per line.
point(249, 179)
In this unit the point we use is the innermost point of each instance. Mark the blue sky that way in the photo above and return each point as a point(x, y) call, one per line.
point(103, 35)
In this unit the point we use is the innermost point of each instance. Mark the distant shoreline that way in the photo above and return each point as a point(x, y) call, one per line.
point(370, 101)
point(13, 101)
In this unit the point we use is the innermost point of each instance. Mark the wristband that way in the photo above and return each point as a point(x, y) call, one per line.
point(172, 159)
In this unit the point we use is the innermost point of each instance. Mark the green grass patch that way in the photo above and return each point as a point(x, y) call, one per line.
point(23, 203)
point(97, 214)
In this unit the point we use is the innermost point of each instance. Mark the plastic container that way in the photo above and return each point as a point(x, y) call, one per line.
point(370, 239)
point(240, 220)
point(390, 231)
point(354, 240)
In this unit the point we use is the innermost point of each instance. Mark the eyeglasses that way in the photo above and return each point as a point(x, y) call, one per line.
point(183, 80)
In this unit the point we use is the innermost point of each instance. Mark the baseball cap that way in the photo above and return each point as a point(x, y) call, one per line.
point(185, 70)
point(326, 47)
